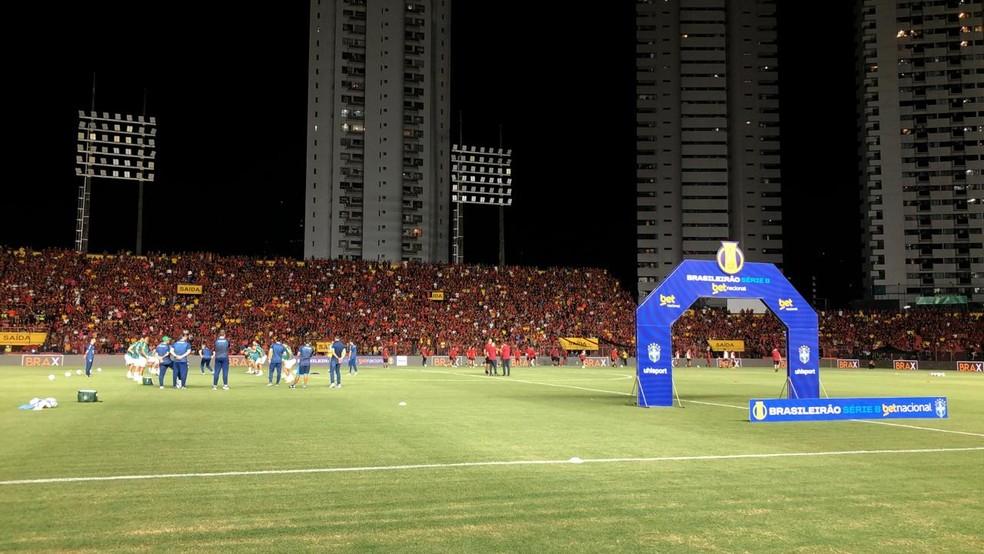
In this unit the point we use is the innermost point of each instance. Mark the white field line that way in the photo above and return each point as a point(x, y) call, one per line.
point(743, 408)
point(918, 427)
point(709, 457)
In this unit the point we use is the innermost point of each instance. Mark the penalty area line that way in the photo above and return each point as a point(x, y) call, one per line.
point(703, 458)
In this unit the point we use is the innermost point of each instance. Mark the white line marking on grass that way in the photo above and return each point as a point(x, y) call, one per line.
point(918, 427)
point(713, 404)
point(709, 457)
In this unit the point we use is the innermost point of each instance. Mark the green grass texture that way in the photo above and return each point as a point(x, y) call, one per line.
point(470, 463)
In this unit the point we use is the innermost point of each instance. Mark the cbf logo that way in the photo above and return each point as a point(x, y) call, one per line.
point(655, 352)
point(804, 351)
point(758, 410)
point(940, 407)
point(668, 301)
point(730, 258)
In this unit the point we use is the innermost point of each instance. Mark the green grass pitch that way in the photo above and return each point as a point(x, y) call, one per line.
point(690, 494)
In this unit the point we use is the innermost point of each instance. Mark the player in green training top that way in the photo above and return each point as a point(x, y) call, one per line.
point(136, 358)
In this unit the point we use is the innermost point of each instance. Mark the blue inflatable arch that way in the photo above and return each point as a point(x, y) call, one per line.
point(727, 277)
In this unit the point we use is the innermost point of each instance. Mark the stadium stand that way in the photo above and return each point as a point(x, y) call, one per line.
point(74, 296)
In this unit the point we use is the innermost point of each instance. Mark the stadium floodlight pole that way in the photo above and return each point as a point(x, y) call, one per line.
point(140, 194)
point(502, 220)
point(82, 213)
point(479, 175)
point(117, 147)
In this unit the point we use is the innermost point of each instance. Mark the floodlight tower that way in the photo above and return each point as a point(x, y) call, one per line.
point(117, 147)
point(479, 175)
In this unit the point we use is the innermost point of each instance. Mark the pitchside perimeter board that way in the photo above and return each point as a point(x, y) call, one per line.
point(726, 277)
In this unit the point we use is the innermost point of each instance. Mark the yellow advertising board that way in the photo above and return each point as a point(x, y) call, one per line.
point(322, 346)
point(21, 338)
point(721, 345)
point(189, 289)
point(437, 295)
point(579, 343)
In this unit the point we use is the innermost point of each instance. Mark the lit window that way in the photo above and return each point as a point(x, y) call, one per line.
point(684, 35)
point(964, 15)
point(964, 44)
point(901, 34)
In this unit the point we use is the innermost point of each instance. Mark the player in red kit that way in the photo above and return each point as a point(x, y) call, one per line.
point(531, 356)
point(453, 354)
point(776, 358)
point(471, 356)
point(491, 353)
point(506, 359)
point(386, 357)
point(613, 357)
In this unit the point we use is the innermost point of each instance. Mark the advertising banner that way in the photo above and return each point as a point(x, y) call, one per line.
point(189, 289)
point(970, 366)
point(401, 361)
point(21, 338)
point(843, 363)
point(728, 362)
point(578, 343)
point(767, 410)
point(725, 345)
point(728, 276)
point(906, 365)
point(42, 360)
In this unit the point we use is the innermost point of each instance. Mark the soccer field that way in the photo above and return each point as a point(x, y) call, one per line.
point(473, 463)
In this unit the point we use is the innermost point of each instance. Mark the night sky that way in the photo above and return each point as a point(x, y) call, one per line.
point(228, 86)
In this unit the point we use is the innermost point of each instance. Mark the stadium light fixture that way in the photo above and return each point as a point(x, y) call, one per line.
point(479, 175)
point(117, 147)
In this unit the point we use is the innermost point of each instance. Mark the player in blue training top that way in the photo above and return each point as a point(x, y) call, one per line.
point(335, 369)
point(206, 354)
point(163, 354)
point(304, 354)
point(179, 357)
point(90, 355)
point(276, 354)
point(353, 363)
point(221, 362)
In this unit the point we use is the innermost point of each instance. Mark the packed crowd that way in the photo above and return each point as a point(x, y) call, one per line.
point(377, 305)
point(117, 298)
point(923, 332)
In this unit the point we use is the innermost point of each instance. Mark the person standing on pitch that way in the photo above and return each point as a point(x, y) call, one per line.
point(506, 354)
point(776, 358)
point(353, 353)
point(90, 355)
point(304, 354)
point(163, 353)
point(276, 354)
point(179, 358)
point(490, 355)
point(335, 368)
point(206, 354)
point(221, 362)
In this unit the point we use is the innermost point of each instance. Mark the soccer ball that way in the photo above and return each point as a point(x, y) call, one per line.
point(99, 369)
point(78, 372)
point(68, 374)
point(51, 377)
